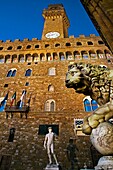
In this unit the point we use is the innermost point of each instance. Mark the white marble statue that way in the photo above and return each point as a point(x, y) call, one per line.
point(49, 145)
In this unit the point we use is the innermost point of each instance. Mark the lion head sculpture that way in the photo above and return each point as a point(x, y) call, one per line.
point(92, 80)
point(97, 82)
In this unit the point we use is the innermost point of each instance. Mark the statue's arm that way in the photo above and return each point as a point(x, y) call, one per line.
point(45, 142)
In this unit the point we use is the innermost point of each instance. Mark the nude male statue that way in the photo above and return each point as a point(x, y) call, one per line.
point(49, 145)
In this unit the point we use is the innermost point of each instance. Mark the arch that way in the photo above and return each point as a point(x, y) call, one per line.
point(100, 42)
point(37, 46)
point(7, 59)
point(13, 73)
point(28, 72)
point(78, 43)
point(57, 45)
point(14, 58)
point(36, 57)
point(21, 58)
point(1, 59)
point(49, 57)
point(84, 54)
point(52, 71)
point(51, 88)
point(100, 54)
point(68, 44)
point(87, 105)
point(42, 57)
point(9, 48)
point(50, 105)
point(28, 57)
point(69, 55)
point(76, 54)
point(107, 54)
point(28, 46)
point(94, 105)
point(90, 43)
point(19, 47)
point(62, 56)
point(1, 48)
point(47, 45)
point(9, 73)
point(92, 54)
point(55, 56)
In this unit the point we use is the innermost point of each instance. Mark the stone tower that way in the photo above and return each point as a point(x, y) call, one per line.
point(56, 22)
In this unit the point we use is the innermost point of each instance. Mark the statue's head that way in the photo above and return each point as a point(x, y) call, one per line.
point(50, 129)
point(77, 77)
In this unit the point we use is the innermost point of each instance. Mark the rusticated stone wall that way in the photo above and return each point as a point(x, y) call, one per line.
point(27, 150)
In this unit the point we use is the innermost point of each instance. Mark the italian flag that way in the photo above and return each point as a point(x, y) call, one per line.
point(13, 98)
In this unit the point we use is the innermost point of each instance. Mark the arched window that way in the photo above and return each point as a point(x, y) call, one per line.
point(100, 54)
point(50, 105)
point(62, 56)
point(11, 73)
point(28, 72)
point(14, 58)
point(36, 57)
point(1, 59)
point(87, 105)
point(21, 58)
point(94, 105)
point(69, 55)
point(52, 71)
point(84, 54)
point(90, 104)
point(77, 55)
point(49, 57)
point(55, 56)
point(51, 88)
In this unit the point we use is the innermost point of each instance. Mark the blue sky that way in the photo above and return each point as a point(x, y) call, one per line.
point(21, 19)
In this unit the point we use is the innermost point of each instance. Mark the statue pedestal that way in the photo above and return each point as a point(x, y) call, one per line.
point(105, 163)
point(52, 167)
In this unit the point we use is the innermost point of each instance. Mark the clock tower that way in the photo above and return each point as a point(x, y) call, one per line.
point(56, 22)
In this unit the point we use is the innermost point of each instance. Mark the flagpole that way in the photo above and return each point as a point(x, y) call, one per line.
point(15, 100)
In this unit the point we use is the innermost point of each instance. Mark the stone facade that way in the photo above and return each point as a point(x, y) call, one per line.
point(48, 61)
point(101, 14)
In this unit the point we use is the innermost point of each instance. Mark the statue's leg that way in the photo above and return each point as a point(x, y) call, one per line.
point(49, 154)
point(52, 151)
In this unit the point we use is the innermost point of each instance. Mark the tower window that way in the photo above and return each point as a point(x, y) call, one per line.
point(28, 73)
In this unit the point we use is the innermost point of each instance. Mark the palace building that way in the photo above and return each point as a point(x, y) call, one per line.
point(33, 73)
